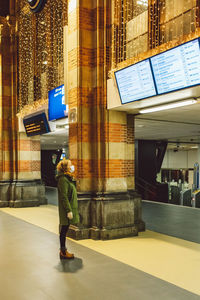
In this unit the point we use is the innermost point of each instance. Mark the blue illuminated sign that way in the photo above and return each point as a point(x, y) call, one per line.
point(57, 106)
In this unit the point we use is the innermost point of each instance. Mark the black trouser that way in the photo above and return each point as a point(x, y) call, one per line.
point(63, 232)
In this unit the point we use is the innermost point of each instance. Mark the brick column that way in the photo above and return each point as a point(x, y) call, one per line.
point(29, 163)
point(8, 119)
point(8, 139)
point(19, 156)
point(98, 141)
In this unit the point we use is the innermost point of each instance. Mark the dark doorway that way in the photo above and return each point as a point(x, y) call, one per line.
point(49, 161)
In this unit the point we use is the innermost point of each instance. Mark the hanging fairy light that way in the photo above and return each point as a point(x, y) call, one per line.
point(142, 2)
point(168, 25)
point(40, 55)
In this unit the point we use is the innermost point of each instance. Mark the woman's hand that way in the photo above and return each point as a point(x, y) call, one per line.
point(70, 215)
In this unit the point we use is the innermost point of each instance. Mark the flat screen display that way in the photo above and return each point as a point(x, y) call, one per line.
point(57, 106)
point(135, 82)
point(36, 125)
point(177, 68)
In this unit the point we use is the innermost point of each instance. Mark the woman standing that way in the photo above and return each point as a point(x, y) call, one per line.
point(67, 203)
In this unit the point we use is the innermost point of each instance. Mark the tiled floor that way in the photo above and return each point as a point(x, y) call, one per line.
point(150, 266)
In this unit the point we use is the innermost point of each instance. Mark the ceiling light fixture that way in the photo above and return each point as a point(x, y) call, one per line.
point(167, 106)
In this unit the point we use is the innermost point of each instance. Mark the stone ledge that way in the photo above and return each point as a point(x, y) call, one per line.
point(107, 234)
point(101, 234)
point(22, 193)
point(24, 203)
point(77, 233)
point(4, 203)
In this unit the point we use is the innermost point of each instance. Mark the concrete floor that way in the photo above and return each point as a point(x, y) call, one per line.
point(31, 269)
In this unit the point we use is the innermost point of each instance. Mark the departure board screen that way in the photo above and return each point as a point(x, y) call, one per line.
point(36, 125)
point(177, 68)
point(57, 107)
point(135, 82)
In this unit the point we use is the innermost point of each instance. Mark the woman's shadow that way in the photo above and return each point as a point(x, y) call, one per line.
point(70, 265)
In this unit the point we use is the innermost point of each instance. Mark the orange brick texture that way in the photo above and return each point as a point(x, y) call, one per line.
point(28, 145)
point(12, 147)
point(91, 139)
point(8, 104)
point(116, 168)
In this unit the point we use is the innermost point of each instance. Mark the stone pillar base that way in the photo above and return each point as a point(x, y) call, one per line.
point(24, 203)
point(4, 192)
point(107, 234)
point(82, 231)
point(78, 234)
point(108, 216)
point(141, 226)
point(22, 193)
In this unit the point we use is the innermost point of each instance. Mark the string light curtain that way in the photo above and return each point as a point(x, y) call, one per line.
point(40, 54)
point(141, 25)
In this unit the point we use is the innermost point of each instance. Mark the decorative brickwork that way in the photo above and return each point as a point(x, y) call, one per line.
point(129, 167)
point(35, 145)
point(87, 18)
point(29, 166)
point(87, 57)
point(19, 159)
point(8, 102)
point(130, 129)
point(98, 141)
point(28, 157)
point(35, 165)
point(19, 155)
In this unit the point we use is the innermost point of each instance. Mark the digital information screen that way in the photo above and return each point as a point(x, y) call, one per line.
point(57, 106)
point(135, 82)
point(177, 68)
point(36, 125)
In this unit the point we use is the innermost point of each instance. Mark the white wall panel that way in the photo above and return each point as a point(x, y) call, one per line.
point(179, 159)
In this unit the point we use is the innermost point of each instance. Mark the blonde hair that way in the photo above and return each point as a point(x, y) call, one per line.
point(64, 165)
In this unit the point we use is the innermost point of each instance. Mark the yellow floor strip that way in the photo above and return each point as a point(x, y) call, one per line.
point(45, 216)
point(171, 259)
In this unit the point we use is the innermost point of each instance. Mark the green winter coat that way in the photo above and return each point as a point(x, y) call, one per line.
point(67, 199)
